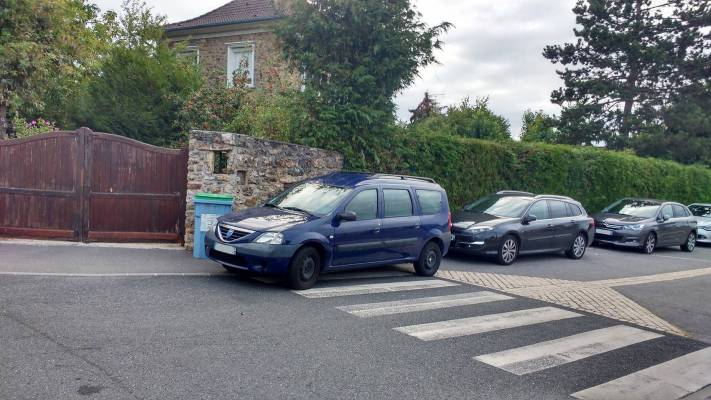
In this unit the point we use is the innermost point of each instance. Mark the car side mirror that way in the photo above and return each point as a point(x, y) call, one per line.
point(666, 217)
point(529, 218)
point(346, 216)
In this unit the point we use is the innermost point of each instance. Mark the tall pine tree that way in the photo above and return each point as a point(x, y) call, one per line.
point(619, 72)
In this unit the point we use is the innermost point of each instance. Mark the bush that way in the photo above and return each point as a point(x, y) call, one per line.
point(24, 129)
point(471, 168)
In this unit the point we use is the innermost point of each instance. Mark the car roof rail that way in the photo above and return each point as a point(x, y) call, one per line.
point(403, 177)
point(513, 193)
point(553, 196)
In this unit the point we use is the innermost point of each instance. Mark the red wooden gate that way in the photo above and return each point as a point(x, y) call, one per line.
point(88, 186)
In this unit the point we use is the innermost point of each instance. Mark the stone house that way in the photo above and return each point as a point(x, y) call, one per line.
point(236, 38)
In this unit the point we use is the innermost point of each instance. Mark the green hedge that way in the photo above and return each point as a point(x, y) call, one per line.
point(471, 168)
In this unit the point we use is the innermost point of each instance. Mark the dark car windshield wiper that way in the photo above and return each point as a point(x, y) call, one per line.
point(297, 209)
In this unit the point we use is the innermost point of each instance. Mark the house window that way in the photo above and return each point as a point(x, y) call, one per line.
point(240, 63)
point(191, 52)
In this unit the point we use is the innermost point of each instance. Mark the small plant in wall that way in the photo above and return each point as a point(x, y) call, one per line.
point(25, 129)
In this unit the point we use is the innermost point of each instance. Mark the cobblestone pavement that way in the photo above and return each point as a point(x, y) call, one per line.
point(597, 297)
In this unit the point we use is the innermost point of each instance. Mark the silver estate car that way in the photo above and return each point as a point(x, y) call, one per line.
point(702, 212)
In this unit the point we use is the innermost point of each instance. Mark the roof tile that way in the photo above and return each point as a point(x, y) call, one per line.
point(236, 11)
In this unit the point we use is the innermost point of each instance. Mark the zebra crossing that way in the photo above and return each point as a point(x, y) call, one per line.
point(673, 379)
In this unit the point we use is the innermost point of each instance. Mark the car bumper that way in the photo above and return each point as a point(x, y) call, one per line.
point(255, 257)
point(622, 238)
point(473, 244)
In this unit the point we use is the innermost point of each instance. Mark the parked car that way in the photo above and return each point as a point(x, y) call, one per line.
point(337, 222)
point(646, 224)
point(507, 224)
point(702, 212)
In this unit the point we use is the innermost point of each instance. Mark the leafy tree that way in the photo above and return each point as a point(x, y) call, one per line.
point(539, 127)
point(355, 55)
point(477, 120)
point(142, 84)
point(46, 47)
point(467, 119)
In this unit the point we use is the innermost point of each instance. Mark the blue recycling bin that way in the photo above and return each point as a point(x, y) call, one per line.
point(208, 207)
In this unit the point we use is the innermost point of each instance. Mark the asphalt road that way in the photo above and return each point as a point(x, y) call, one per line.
point(218, 336)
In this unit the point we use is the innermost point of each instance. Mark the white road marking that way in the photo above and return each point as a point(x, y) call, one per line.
point(58, 243)
point(670, 380)
point(373, 288)
point(363, 275)
point(94, 275)
point(486, 323)
point(678, 258)
point(552, 353)
point(422, 304)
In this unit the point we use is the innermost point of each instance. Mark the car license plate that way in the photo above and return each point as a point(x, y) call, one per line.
point(603, 232)
point(225, 249)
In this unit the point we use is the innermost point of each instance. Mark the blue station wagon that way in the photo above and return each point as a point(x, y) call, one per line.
point(337, 222)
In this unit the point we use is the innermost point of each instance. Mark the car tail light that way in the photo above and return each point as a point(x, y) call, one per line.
point(449, 222)
point(592, 222)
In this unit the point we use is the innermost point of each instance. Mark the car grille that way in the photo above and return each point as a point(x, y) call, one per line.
point(229, 234)
point(612, 227)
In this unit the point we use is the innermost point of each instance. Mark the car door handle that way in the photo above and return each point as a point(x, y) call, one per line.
point(550, 225)
point(376, 230)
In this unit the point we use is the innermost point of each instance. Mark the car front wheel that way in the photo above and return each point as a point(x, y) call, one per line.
point(577, 249)
point(304, 269)
point(429, 261)
point(690, 243)
point(508, 250)
point(650, 243)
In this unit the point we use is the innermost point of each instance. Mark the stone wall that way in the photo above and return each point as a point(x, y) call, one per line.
point(255, 170)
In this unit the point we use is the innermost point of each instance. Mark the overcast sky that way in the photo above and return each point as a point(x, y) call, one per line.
point(494, 50)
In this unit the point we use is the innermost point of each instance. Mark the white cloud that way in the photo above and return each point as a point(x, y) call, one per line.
point(494, 50)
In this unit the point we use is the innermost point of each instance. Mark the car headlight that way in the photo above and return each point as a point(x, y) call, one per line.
point(637, 227)
point(270, 238)
point(706, 227)
point(480, 229)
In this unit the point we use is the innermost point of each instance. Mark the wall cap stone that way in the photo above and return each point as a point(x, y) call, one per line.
point(239, 135)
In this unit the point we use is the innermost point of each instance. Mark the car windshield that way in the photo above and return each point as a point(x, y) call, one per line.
point(634, 208)
point(701, 210)
point(311, 197)
point(509, 207)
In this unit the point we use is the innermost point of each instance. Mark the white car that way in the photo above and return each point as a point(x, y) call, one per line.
point(702, 212)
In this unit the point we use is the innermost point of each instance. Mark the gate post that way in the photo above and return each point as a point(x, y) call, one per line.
point(85, 144)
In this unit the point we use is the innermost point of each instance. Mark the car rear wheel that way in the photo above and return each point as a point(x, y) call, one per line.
point(508, 250)
point(577, 249)
point(304, 269)
point(690, 244)
point(429, 261)
point(650, 243)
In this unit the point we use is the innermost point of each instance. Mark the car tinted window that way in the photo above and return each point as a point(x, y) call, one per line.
point(364, 205)
point(558, 209)
point(701, 210)
point(430, 201)
point(397, 203)
point(573, 210)
point(679, 211)
point(540, 210)
point(667, 210)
